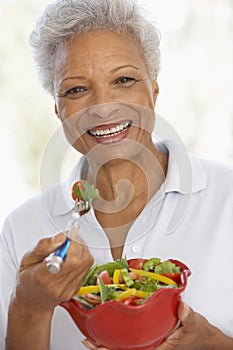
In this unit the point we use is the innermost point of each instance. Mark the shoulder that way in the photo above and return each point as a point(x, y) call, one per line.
point(36, 205)
point(218, 166)
point(35, 214)
point(31, 221)
point(216, 173)
point(217, 190)
point(44, 214)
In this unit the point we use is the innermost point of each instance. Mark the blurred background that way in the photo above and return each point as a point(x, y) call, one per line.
point(196, 88)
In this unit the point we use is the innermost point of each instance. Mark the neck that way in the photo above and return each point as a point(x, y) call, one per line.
point(121, 182)
point(125, 187)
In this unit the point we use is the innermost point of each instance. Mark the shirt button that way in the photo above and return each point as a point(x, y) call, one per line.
point(135, 248)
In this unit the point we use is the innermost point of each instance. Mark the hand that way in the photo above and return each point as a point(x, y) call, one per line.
point(89, 345)
point(195, 333)
point(38, 290)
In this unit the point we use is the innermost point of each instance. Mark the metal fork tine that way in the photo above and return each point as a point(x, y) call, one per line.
point(81, 205)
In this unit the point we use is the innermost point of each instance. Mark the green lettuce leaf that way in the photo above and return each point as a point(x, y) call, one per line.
point(166, 267)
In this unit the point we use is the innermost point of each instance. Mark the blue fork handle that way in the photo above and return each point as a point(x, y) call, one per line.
point(54, 265)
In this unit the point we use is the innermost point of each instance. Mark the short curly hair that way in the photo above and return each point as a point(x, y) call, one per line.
point(63, 19)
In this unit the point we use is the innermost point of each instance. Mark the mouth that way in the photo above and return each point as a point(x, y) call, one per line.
point(110, 133)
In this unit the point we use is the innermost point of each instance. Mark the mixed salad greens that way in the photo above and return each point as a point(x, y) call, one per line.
point(130, 282)
point(82, 190)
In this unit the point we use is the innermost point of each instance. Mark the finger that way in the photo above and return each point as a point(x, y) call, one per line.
point(70, 284)
point(77, 263)
point(185, 313)
point(43, 248)
point(48, 245)
point(78, 255)
point(89, 345)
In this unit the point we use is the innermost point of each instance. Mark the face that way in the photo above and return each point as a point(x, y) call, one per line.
point(103, 92)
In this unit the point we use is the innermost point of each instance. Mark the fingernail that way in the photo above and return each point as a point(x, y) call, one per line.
point(89, 345)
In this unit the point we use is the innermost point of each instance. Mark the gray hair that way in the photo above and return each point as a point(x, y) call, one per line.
point(63, 19)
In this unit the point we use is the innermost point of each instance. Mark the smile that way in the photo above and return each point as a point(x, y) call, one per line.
point(102, 132)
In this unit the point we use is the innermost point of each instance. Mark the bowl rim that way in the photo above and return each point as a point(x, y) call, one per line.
point(185, 273)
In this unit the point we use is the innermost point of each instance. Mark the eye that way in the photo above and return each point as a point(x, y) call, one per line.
point(126, 81)
point(77, 90)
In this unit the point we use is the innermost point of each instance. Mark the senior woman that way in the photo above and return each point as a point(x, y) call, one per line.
point(99, 59)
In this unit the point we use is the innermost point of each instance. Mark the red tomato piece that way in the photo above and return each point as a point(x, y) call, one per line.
point(104, 275)
point(93, 299)
point(173, 276)
point(137, 263)
point(131, 300)
point(80, 186)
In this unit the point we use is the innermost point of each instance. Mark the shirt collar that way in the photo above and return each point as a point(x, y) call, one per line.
point(184, 175)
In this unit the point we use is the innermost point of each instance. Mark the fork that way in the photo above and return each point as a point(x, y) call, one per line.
point(55, 263)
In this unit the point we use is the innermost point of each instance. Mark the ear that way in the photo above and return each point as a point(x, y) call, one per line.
point(155, 88)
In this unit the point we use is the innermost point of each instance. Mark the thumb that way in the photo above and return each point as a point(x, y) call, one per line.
point(43, 248)
point(48, 245)
point(184, 312)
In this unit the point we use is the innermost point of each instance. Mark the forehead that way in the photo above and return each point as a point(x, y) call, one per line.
point(100, 47)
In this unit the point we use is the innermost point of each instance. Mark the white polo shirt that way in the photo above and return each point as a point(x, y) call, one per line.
point(190, 219)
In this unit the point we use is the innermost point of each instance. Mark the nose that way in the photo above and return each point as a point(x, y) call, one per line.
point(104, 110)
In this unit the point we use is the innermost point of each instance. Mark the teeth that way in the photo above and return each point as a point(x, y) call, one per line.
point(110, 132)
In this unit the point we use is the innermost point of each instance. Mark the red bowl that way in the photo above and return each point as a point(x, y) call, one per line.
point(117, 326)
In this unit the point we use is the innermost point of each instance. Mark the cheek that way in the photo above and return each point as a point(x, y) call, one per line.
point(144, 96)
point(79, 142)
point(66, 109)
point(70, 122)
point(61, 110)
point(81, 145)
point(150, 97)
point(75, 134)
point(143, 128)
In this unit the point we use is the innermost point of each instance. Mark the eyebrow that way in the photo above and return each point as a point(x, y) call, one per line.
point(81, 77)
point(124, 66)
point(114, 70)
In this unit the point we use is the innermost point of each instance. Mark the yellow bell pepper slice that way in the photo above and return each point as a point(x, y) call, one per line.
point(133, 291)
point(88, 289)
point(155, 276)
point(96, 288)
point(116, 276)
point(141, 294)
point(126, 293)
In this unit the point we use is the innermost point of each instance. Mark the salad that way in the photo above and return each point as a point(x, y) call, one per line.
point(82, 190)
point(130, 282)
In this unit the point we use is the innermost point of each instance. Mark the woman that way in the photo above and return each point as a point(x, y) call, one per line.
point(99, 59)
